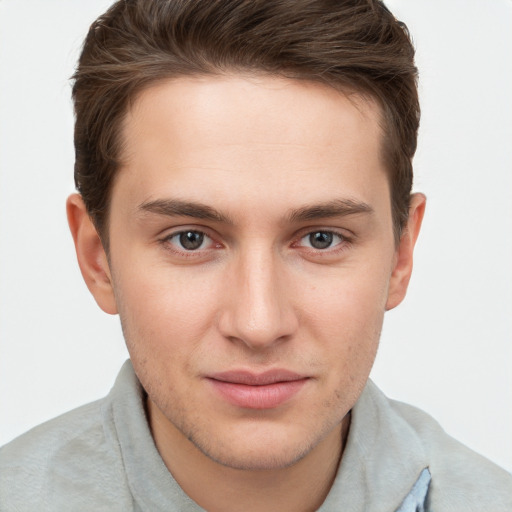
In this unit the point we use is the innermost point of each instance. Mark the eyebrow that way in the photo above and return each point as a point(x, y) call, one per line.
point(335, 208)
point(178, 208)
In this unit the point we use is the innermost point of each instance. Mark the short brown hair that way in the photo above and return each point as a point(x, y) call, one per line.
point(352, 45)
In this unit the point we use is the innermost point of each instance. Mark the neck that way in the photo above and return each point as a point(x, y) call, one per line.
point(302, 486)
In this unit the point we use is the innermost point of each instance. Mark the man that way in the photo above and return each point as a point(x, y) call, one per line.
point(245, 205)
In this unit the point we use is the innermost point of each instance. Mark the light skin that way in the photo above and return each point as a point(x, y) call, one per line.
point(250, 231)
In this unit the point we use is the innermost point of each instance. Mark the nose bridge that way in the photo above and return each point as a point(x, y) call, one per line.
point(260, 312)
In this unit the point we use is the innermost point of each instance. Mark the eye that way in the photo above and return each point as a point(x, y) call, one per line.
point(190, 240)
point(321, 240)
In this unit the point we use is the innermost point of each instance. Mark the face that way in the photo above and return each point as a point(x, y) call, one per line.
point(251, 255)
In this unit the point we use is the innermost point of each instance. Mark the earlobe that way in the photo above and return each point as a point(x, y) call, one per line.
point(91, 255)
point(404, 254)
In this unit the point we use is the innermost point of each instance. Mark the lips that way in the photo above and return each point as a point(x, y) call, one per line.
point(266, 390)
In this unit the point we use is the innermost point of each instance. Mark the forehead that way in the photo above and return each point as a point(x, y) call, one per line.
point(251, 105)
point(248, 135)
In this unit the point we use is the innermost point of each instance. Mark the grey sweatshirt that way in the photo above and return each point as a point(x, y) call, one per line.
point(101, 457)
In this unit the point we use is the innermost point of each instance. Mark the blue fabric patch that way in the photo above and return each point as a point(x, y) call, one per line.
point(415, 501)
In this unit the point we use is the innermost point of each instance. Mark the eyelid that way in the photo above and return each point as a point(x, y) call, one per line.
point(343, 233)
point(335, 234)
point(324, 255)
point(347, 239)
point(168, 232)
point(167, 235)
point(177, 236)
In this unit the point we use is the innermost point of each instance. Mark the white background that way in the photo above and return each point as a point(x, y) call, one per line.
point(447, 349)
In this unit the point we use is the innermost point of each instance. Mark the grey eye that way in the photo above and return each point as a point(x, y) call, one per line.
point(321, 239)
point(190, 240)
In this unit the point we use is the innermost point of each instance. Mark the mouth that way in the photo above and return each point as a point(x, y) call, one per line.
point(266, 390)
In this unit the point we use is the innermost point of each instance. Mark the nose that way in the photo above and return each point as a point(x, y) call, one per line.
point(258, 312)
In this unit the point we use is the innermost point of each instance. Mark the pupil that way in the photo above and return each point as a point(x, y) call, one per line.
point(320, 239)
point(191, 240)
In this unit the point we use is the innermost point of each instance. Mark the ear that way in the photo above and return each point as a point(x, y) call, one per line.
point(92, 258)
point(404, 253)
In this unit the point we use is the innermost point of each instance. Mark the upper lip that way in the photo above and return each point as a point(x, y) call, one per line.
point(256, 379)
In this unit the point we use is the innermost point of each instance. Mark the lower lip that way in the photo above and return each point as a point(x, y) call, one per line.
point(258, 397)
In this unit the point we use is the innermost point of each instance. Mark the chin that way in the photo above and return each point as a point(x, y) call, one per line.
point(264, 459)
point(256, 452)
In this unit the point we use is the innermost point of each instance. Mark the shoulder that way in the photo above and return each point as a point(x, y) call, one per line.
point(66, 461)
point(461, 478)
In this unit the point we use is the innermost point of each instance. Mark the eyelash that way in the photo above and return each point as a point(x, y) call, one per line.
point(167, 243)
point(342, 245)
point(324, 232)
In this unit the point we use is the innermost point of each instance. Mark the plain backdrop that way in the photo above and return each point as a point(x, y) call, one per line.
point(446, 349)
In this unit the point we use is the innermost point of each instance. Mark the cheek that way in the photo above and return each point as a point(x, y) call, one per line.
point(347, 316)
point(162, 328)
point(165, 311)
point(351, 299)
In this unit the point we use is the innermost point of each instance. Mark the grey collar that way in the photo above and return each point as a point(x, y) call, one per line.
point(382, 468)
point(382, 461)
